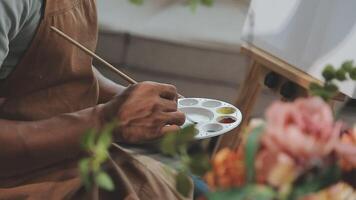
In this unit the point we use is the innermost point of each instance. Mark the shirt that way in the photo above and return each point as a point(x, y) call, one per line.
point(19, 20)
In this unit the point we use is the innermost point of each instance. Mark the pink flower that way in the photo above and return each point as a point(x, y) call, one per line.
point(303, 129)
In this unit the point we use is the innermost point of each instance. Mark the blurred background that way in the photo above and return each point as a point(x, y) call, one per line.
point(166, 41)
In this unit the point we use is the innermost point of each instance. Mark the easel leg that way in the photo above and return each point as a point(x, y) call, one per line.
point(245, 102)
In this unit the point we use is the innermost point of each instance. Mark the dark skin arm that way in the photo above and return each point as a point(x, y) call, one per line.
point(29, 145)
point(144, 109)
point(107, 88)
point(50, 143)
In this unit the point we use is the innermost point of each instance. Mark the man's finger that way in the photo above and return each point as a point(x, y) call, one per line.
point(169, 129)
point(167, 91)
point(174, 118)
point(168, 105)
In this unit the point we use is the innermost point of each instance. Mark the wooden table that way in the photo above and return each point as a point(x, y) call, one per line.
point(262, 65)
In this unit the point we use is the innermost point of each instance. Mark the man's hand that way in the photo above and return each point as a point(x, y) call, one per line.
point(144, 111)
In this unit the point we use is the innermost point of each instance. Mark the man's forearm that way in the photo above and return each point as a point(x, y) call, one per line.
point(25, 146)
point(107, 88)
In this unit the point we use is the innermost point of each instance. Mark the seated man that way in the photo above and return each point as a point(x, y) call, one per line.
point(50, 95)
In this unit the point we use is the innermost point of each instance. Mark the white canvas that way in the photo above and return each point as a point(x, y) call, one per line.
point(307, 34)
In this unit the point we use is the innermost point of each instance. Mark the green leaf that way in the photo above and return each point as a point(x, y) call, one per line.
point(331, 87)
point(340, 75)
point(193, 4)
point(186, 135)
point(84, 170)
point(325, 95)
point(199, 164)
point(137, 2)
point(207, 2)
point(172, 142)
point(90, 168)
point(325, 92)
point(353, 74)
point(104, 181)
point(183, 184)
point(88, 140)
point(101, 150)
point(101, 155)
point(329, 72)
point(316, 180)
point(315, 86)
point(105, 137)
point(347, 65)
point(104, 140)
point(251, 148)
point(168, 144)
point(249, 192)
point(233, 194)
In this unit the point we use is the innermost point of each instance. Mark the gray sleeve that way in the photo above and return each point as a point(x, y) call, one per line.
point(12, 17)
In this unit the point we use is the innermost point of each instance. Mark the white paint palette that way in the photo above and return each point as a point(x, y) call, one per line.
point(211, 117)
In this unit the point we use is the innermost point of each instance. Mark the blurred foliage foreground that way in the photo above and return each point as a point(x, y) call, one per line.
point(316, 177)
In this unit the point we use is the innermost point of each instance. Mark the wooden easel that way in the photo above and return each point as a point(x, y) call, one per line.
point(262, 64)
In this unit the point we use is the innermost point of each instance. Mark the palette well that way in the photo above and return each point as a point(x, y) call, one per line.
point(211, 117)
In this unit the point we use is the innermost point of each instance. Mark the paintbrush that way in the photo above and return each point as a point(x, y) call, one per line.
point(92, 54)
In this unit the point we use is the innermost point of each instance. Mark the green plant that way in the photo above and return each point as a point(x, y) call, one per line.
point(96, 144)
point(315, 180)
point(176, 145)
point(329, 89)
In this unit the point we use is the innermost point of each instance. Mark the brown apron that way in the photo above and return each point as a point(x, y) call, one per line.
point(54, 77)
